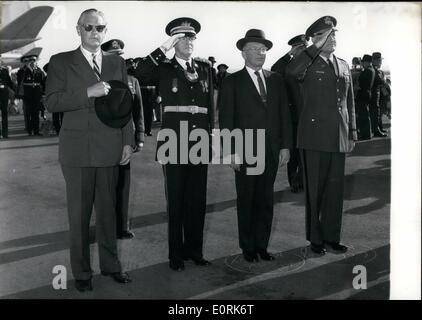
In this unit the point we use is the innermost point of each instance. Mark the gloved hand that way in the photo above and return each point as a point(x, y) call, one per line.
point(170, 43)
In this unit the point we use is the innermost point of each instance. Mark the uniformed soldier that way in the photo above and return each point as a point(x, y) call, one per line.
point(363, 98)
point(221, 73)
point(294, 166)
point(32, 79)
point(374, 106)
point(185, 85)
point(6, 84)
point(326, 131)
point(116, 46)
point(356, 70)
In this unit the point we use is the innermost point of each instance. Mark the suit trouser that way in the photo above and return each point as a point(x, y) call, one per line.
point(375, 114)
point(4, 105)
point(136, 116)
point(186, 193)
point(255, 206)
point(324, 185)
point(294, 168)
point(363, 119)
point(57, 121)
point(86, 187)
point(122, 202)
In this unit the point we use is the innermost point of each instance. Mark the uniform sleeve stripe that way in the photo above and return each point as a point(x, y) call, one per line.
point(153, 60)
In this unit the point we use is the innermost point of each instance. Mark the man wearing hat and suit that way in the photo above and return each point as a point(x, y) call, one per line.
point(115, 46)
point(6, 84)
point(363, 98)
point(186, 88)
point(96, 136)
point(32, 79)
point(326, 131)
point(254, 98)
point(294, 167)
point(221, 73)
point(374, 106)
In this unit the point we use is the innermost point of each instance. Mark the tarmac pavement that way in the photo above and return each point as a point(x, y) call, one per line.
point(34, 230)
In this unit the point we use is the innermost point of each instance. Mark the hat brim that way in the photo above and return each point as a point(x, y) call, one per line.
point(106, 110)
point(241, 43)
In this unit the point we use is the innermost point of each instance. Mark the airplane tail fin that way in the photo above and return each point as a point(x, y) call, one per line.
point(28, 25)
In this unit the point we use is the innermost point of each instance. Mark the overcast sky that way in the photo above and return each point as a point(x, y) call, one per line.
point(363, 27)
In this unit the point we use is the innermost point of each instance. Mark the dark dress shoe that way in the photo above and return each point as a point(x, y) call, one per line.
point(125, 235)
point(120, 277)
point(264, 255)
point(177, 265)
point(83, 285)
point(379, 134)
point(318, 248)
point(250, 257)
point(336, 246)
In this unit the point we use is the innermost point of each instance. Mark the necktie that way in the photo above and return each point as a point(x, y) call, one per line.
point(332, 66)
point(262, 91)
point(189, 68)
point(96, 68)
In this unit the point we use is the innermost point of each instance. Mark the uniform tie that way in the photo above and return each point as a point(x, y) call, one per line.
point(262, 91)
point(332, 66)
point(96, 68)
point(189, 68)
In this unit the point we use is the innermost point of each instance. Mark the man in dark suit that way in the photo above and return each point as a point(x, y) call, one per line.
point(363, 98)
point(186, 88)
point(253, 98)
point(6, 85)
point(326, 131)
point(89, 150)
point(294, 167)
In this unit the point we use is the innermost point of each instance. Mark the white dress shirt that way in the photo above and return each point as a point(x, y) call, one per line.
point(182, 62)
point(332, 61)
point(88, 55)
point(255, 79)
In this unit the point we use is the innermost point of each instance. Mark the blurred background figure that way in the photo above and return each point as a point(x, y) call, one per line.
point(374, 106)
point(7, 89)
point(137, 111)
point(363, 98)
point(214, 82)
point(221, 73)
point(356, 70)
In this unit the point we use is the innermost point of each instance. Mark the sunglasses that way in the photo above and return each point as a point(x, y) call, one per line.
point(90, 27)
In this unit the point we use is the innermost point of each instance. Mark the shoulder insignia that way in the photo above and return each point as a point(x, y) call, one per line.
point(203, 60)
point(166, 60)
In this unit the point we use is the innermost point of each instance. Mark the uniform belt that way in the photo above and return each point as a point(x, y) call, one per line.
point(190, 109)
point(32, 84)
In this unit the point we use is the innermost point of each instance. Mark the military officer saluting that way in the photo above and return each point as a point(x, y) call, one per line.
point(326, 131)
point(186, 87)
point(33, 79)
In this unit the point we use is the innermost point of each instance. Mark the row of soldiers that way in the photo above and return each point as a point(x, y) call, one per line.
point(372, 95)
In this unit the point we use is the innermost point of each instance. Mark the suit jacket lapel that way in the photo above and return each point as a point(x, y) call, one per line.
point(83, 65)
point(250, 86)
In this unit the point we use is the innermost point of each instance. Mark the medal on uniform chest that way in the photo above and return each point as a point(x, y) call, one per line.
point(204, 85)
point(174, 88)
point(192, 76)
